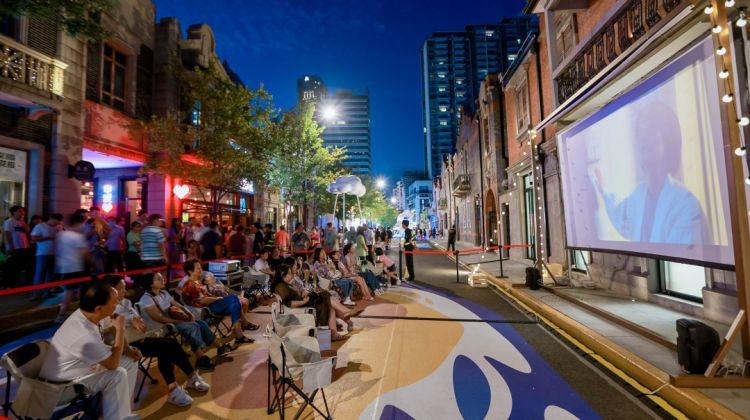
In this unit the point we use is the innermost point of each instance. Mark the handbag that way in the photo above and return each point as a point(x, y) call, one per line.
point(177, 313)
point(83, 407)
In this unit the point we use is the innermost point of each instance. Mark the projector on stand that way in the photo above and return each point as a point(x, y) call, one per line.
point(227, 271)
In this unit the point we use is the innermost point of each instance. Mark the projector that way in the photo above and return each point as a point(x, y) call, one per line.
point(478, 280)
point(223, 266)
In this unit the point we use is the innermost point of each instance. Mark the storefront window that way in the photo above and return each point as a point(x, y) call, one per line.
point(132, 193)
point(579, 260)
point(12, 179)
point(683, 280)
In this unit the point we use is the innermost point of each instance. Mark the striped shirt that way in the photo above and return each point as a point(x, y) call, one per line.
point(151, 239)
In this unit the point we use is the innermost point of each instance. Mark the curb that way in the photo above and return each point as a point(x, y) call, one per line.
point(640, 374)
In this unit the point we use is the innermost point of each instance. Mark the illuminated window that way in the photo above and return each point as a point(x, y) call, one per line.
point(443, 122)
point(442, 89)
point(512, 57)
point(441, 75)
point(489, 33)
point(443, 109)
point(522, 108)
point(459, 81)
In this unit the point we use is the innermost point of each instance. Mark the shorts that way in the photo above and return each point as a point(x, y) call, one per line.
point(68, 276)
point(392, 268)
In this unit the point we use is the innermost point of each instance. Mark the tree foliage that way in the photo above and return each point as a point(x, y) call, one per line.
point(76, 17)
point(301, 166)
point(220, 143)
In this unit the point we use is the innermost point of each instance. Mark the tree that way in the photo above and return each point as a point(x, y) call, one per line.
point(76, 17)
point(221, 144)
point(301, 166)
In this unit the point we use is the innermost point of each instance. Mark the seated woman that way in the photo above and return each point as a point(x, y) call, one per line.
point(275, 259)
point(325, 269)
point(218, 289)
point(167, 350)
point(194, 294)
point(351, 264)
point(160, 308)
point(364, 285)
point(326, 309)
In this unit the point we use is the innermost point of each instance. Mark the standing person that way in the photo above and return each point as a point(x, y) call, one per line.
point(96, 230)
point(115, 245)
point(211, 242)
point(259, 241)
point(71, 251)
point(176, 238)
point(132, 255)
point(350, 235)
point(361, 244)
point(282, 239)
point(153, 243)
point(201, 228)
point(237, 243)
point(409, 247)
point(44, 235)
point(388, 238)
point(369, 237)
point(77, 349)
point(330, 240)
point(300, 241)
point(269, 236)
point(143, 217)
point(451, 239)
point(17, 246)
point(314, 238)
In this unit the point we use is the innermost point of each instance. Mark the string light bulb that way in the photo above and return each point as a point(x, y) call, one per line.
point(740, 151)
point(724, 74)
point(721, 50)
point(742, 21)
point(716, 29)
point(727, 98)
point(729, 3)
point(747, 180)
point(708, 9)
point(743, 121)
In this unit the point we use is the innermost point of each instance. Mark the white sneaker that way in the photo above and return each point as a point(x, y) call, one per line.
point(348, 302)
point(197, 383)
point(179, 397)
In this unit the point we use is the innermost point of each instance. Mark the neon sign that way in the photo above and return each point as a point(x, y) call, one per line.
point(107, 205)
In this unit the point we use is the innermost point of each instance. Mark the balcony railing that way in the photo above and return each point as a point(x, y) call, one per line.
point(636, 19)
point(461, 185)
point(22, 64)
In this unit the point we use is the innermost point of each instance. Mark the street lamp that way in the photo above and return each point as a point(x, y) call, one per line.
point(380, 183)
point(330, 112)
point(393, 200)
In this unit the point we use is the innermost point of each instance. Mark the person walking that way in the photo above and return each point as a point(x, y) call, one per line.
point(330, 240)
point(115, 245)
point(409, 247)
point(44, 235)
point(71, 252)
point(282, 239)
point(451, 239)
point(300, 241)
point(153, 249)
point(132, 255)
point(16, 231)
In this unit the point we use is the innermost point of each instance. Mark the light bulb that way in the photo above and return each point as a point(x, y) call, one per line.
point(708, 9)
point(724, 74)
point(747, 180)
point(727, 98)
point(729, 3)
point(740, 151)
point(721, 50)
point(743, 121)
point(742, 21)
point(716, 29)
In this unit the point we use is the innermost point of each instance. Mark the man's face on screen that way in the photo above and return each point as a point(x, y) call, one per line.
point(652, 154)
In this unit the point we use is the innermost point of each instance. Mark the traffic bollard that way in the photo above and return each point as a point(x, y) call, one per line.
point(458, 280)
point(400, 269)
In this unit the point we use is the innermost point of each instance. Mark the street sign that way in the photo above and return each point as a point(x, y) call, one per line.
point(82, 171)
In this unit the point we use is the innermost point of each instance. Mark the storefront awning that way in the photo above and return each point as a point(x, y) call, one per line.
point(33, 111)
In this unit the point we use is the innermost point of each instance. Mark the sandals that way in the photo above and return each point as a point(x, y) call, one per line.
point(338, 337)
point(243, 340)
point(250, 327)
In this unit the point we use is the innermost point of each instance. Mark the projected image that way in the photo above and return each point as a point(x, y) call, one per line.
point(646, 173)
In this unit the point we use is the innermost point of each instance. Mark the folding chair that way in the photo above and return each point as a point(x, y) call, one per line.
point(216, 322)
point(294, 359)
point(35, 397)
point(295, 321)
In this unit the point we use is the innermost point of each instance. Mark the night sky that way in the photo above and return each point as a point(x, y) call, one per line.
point(353, 44)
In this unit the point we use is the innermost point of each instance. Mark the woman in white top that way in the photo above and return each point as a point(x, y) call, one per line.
point(167, 350)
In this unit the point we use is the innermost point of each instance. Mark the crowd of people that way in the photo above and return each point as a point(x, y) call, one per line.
point(161, 313)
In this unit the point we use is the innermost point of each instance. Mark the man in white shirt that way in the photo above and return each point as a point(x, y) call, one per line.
point(71, 251)
point(44, 235)
point(78, 352)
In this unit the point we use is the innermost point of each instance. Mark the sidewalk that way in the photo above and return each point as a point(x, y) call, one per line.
point(660, 321)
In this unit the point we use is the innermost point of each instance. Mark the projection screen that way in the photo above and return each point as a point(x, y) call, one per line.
point(646, 173)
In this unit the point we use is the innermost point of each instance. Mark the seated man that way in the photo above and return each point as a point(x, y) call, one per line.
point(77, 350)
point(262, 266)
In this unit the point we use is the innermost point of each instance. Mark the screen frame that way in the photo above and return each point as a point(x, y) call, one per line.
point(573, 125)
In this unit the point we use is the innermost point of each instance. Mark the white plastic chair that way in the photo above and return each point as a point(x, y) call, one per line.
point(294, 359)
point(295, 321)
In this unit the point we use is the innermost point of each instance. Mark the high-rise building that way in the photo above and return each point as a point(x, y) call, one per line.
point(310, 89)
point(346, 118)
point(453, 66)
